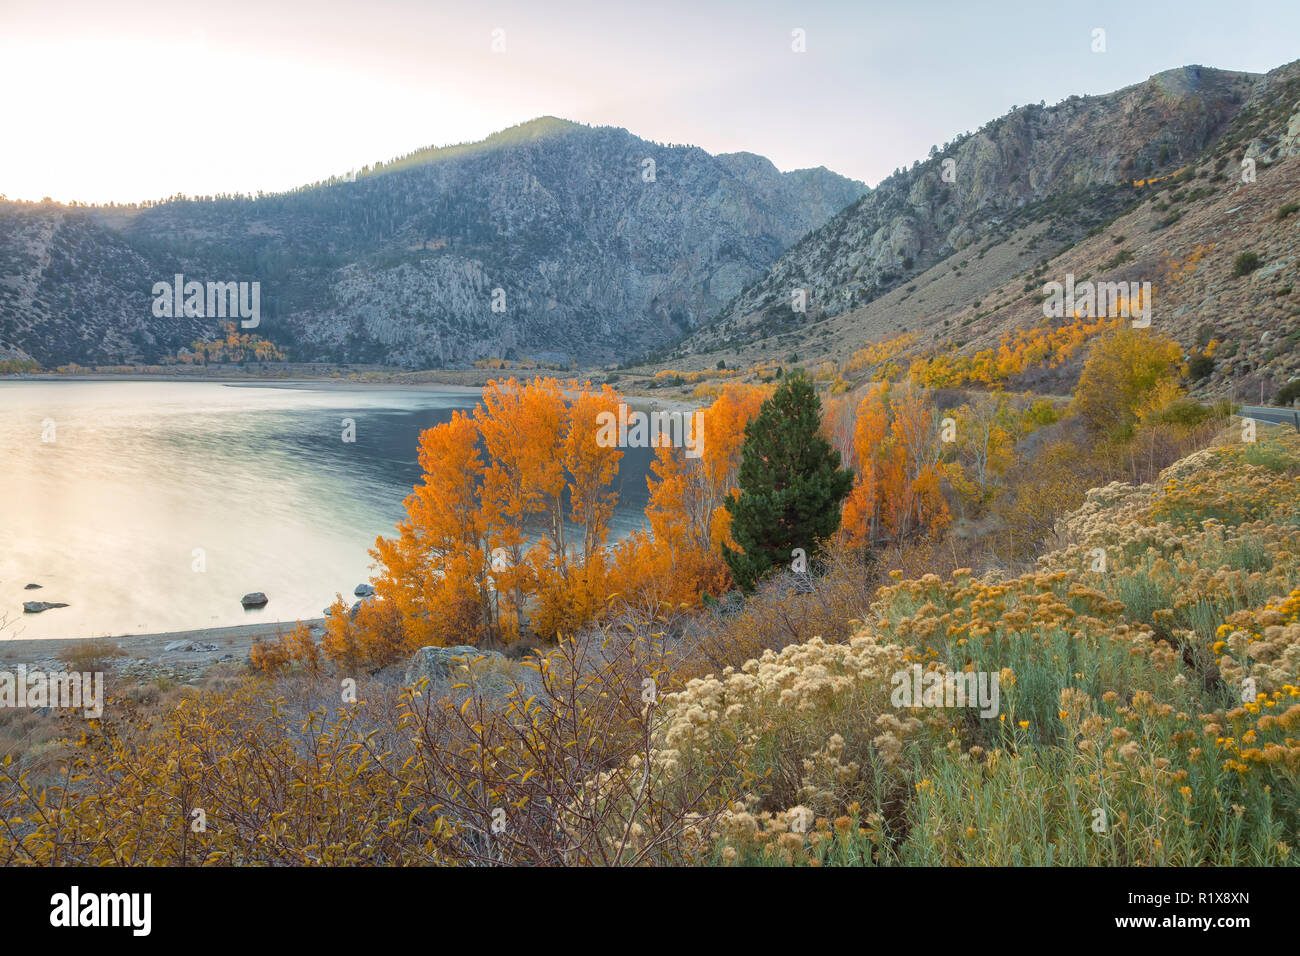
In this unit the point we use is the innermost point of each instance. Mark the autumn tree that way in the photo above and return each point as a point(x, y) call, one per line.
point(1125, 370)
point(485, 542)
point(435, 571)
point(984, 444)
point(901, 468)
point(681, 557)
point(508, 528)
point(791, 483)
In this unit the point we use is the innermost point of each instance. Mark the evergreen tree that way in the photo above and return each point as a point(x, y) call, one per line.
point(791, 483)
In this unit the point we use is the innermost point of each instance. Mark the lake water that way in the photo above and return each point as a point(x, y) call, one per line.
point(108, 515)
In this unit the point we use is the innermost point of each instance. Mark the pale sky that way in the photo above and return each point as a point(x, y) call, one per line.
point(140, 99)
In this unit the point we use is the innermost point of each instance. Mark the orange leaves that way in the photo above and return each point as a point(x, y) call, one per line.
point(235, 347)
point(669, 509)
point(566, 602)
point(433, 569)
point(879, 352)
point(339, 643)
point(724, 435)
point(302, 648)
point(521, 427)
point(483, 551)
point(268, 657)
point(685, 494)
point(681, 559)
point(446, 506)
point(592, 469)
point(863, 509)
point(899, 469)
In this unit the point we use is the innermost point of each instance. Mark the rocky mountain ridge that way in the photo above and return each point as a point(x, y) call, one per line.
point(963, 268)
point(551, 240)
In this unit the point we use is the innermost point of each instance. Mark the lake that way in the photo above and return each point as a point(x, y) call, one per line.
point(139, 480)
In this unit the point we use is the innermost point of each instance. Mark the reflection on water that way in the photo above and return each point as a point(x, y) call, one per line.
point(144, 479)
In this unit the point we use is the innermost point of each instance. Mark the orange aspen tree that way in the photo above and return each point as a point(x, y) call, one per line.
point(681, 558)
point(433, 572)
point(900, 473)
point(523, 486)
point(862, 517)
point(592, 469)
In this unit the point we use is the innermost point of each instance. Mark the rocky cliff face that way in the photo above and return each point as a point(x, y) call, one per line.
point(1183, 228)
point(1070, 164)
point(551, 240)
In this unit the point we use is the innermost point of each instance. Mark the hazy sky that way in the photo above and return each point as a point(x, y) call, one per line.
point(116, 100)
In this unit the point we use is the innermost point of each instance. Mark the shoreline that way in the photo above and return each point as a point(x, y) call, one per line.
point(677, 403)
point(252, 381)
point(231, 642)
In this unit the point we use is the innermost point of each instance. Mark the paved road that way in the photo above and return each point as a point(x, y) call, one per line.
point(1274, 416)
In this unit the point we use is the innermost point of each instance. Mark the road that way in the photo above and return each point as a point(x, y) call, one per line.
point(1274, 416)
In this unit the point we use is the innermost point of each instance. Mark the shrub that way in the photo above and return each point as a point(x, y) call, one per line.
point(269, 657)
point(1245, 264)
point(1186, 413)
point(304, 650)
point(89, 656)
point(1201, 366)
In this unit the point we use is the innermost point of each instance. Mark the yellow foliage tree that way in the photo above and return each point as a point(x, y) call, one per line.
point(1125, 369)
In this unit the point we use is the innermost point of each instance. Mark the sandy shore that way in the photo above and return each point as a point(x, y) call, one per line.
point(214, 644)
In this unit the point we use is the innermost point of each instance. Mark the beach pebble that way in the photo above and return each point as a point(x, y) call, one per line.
point(256, 599)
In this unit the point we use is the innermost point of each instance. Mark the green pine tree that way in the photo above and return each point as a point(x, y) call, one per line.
point(791, 483)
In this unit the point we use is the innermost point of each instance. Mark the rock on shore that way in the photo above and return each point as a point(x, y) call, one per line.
point(36, 607)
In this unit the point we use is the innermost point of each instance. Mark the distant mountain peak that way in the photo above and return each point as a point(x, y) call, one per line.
point(596, 244)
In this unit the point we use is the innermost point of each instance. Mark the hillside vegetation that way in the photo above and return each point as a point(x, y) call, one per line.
point(1148, 666)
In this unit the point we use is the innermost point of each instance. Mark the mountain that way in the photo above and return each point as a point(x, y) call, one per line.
point(1038, 193)
point(593, 244)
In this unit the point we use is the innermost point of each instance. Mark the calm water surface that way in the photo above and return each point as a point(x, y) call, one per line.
point(108, 515)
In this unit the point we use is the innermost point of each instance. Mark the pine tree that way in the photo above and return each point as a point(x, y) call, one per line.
point(791, 483)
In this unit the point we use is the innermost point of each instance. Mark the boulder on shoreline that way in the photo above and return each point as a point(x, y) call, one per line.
point(256, 599)
point(437, 663)
point(195, 646)
point(364, 590)
point(36, 607)
point(463, 670)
